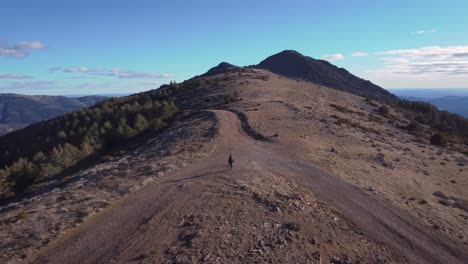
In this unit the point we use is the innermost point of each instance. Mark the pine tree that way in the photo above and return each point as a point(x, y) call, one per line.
point(39, 157)
point(23, 173)
point(140, 123)
point(62, 135)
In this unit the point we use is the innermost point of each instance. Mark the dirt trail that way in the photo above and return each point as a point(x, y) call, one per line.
point(382, 223)
point(144, 219)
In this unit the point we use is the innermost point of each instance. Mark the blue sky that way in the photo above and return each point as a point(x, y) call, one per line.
point(91, 47)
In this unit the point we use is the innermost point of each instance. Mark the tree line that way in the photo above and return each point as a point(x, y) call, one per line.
point(452, 126)
point(46, 149)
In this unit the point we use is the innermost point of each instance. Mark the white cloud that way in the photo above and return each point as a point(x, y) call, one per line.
point(426, 64)
point(333, 57)
point(63, 88)
point(54, 69)
point(419, 32)
point(432, 52)
point(20, 49)
point(117, 86)
point(360, 54)
point(77, 69)
point(79, 77)
point(28, 45)
point(14, 76)
point(115, 72)
point(29, 85)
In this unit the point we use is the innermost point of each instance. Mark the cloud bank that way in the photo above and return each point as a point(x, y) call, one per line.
point(360, 54)
point(434, 61)
point(14, 76)
point(54, 69)
point(29, 85)
point(419, 32)
point(333, 57)
point(115, 72)
point(20, 49)
point(64, 88)
point(432, 66)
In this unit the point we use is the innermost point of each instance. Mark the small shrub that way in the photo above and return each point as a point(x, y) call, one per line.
point(292, 226)
point(414, 127)
point(344, 121)
point(376, 119)
point(360, 113)
point(341, 108)
point(370, 102)
point(231, 97)
point(440, 194)
point(446, 202)
point(384, 110)
point(23, 215)
point(438, 140)
point(461, 204)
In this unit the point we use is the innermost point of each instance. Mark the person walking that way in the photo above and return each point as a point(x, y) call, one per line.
point(230, 161)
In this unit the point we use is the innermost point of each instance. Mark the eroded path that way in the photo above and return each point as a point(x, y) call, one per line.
point(144, 226)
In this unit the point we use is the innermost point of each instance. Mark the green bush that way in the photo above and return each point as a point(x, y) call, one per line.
point(231, 97)
point(415, 128)
point(384, 110)
point(23, 215)
point(23, 172)
point(438, 140)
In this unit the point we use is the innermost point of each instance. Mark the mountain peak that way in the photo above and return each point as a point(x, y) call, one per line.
point(289, 52)
point(290, 55)
point(221, 68)
point(293, 64)
point(225, 65)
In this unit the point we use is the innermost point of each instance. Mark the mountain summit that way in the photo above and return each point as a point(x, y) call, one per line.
point(221, 68)
point(293, 64)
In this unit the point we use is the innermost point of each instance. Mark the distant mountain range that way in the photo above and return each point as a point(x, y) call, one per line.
point(429, 92)
point(18, 111)
point(454, 104)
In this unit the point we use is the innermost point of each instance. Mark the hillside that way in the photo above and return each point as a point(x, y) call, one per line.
point(320, 176)
point(17, 111)
point(292, 64)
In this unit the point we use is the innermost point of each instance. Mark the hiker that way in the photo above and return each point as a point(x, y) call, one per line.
point(230, 161)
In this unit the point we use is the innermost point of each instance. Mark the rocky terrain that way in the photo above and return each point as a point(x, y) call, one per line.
point(320, 176)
